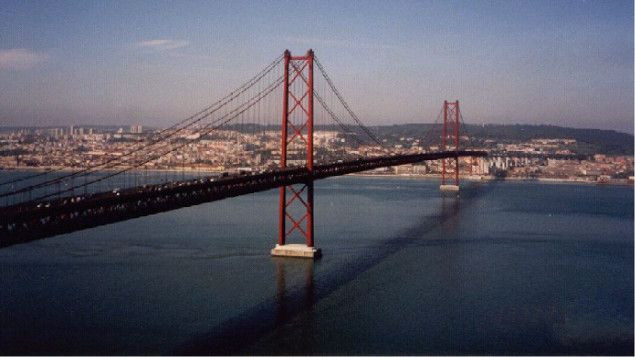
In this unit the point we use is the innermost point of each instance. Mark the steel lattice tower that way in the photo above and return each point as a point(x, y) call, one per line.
point(450, 142)
point(297, 126)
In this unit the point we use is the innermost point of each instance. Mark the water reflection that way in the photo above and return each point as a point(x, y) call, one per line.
point(298, 268)
point(296, 298)
point(296, 293)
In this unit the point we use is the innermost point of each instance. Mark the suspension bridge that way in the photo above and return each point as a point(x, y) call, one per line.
point(119, 187)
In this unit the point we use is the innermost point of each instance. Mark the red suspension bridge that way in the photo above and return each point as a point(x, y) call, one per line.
point(119, 187)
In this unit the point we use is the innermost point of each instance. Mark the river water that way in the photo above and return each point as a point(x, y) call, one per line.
point(506, 268)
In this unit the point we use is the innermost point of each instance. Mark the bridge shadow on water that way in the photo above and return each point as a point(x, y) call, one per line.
point(237, 334)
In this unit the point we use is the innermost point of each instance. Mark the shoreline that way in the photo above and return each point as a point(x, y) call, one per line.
point(472, 178)
point(68, 169)
point(491, 178)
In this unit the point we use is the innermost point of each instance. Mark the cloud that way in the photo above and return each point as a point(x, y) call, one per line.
point(19, 59)
point(163, 44)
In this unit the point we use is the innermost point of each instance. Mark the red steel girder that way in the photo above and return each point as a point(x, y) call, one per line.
point(297, 133)
point(296, 224)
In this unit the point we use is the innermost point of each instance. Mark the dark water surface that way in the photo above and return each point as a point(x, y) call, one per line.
point(507, 268)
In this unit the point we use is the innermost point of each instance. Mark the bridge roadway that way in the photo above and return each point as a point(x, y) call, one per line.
point(35, 220)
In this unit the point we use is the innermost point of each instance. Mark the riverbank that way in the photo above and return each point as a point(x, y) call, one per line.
point(475, 178)
point(471, 178)
point(70, 169)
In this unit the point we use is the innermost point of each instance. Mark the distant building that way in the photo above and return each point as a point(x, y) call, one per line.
point(136, 129)
point(56, 132)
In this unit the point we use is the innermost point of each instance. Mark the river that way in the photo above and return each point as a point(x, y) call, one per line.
point(505, 268)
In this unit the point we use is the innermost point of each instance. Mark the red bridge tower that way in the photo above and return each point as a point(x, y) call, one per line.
point(298, 117)
point(450, 141)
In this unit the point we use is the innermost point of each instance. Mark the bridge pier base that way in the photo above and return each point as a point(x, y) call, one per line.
point(296, 250)
point(449, 188)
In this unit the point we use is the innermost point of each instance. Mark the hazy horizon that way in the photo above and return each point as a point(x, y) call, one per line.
point(566, 63)
point(228, 127)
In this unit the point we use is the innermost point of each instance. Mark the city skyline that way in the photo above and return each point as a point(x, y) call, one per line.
point(567, 63)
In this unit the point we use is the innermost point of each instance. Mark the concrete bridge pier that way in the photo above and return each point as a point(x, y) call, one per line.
point(296, 250)
point(449, 188)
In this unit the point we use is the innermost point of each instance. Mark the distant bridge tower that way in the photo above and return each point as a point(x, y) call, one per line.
point(298, 117)
point(450, 141)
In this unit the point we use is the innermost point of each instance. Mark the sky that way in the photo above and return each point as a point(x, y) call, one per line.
point(566, 63)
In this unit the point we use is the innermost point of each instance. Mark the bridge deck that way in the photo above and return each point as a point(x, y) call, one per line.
point(28, 221)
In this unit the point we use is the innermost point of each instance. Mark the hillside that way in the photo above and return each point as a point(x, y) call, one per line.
point(590, 140)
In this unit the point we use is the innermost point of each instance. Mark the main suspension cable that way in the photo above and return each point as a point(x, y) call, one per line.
point(193, 120)
point(345, 104)
point(208, 129)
